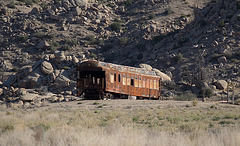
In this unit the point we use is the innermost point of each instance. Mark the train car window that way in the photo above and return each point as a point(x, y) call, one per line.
point(124, 80)
point(128, 81)
point(132, 82)
point(147, 84)
point(140, 82)
point(151, 84)
point(136, 81)
point(119, 77)
point(93, 80)
point(115, 77)
point(143, 83)
point(111, 78)
point(98, 81)
point(155, 84)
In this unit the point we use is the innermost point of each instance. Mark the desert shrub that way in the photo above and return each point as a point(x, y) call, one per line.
point(116, 26)
point(15, 69)
point(54, 46)
point(70, 42)
point(214, 57)
point(66, 47)
point(221, 23)
point(207, 92)
point(57, 1)
point(141, 47)
point(11, 5)
point(194, 103)
point(44, 5)
point(123, 40)
point(22, 38)
point(202, 22)
point(66, 67)
point(168, 11)
point(157, 39)
point(7, 127)
point(91, 39)
point(178, 57)
point(186, 97)
point(128, 2)
point(152, 16)
point(96, 103)
point(100, 106)
point(106, 47)
point(38, 35)
point(93, 55)
point(184, 16)
point(228, 54)
point(182, 41)
point(238, 4)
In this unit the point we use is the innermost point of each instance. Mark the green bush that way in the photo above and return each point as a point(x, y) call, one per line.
point(182, 41)
point(91, 39)
point(22, 38)
point(207, 92)
point(152, 16)
point(123, 40)
point(157, 39)
point(221, 23)
point(11, 5)
point(178, 57)
point(128, 2)
point(168, 11)
point(44, 5)
point(15, 69)
point(65, 47)
point(203, 23)
point(116, 26)
point(186, 97)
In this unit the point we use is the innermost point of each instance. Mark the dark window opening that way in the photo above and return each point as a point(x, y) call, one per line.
point(115, 77)
point(132, 82)
point(96, 74)
point(119, 78)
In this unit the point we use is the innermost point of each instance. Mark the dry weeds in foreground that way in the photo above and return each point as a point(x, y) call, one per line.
point(151, 123)
point(117, 136)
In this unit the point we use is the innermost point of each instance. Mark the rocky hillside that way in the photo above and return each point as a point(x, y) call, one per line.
point(195, 42)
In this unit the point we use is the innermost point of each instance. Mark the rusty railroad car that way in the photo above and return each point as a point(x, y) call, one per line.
point(98, 80)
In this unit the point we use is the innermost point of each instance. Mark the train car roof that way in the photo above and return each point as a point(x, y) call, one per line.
point(120, 68)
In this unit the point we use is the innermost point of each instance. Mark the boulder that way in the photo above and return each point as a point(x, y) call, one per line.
point(77, 11)
point(31, 81)
point(221, 84)
point(1, 91)
point(28, 97)
point(46, 68)
point(10, 81)
point(222, 59)
point(43, 45)
point(145, 66)
point(6, 65)
point(75, 60)
point(163, 76)
point(59, 56)
point(73, 3)
point(62, 81)
point(34, 11)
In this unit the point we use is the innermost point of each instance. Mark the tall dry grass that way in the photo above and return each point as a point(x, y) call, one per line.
point(120, 126)
point(117, 136)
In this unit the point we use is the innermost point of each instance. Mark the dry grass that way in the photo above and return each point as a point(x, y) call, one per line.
point(134, 123)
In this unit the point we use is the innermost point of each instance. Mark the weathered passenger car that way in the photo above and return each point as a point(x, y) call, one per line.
point(97, 80)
